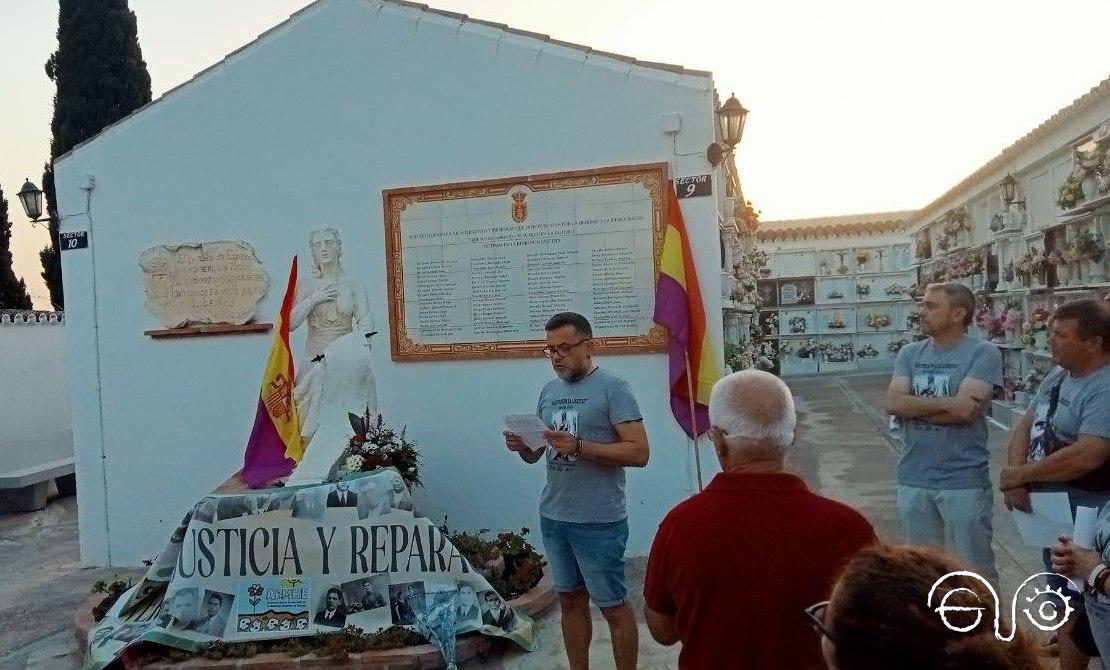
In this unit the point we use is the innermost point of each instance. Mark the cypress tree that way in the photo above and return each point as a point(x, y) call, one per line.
point(13, 292)
point(100, 77)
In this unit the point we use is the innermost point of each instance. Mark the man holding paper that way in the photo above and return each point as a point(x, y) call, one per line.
point(944, 486)
point(1062, 444)
point(593, 431)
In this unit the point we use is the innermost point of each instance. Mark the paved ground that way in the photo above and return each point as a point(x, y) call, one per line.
point(842, 451)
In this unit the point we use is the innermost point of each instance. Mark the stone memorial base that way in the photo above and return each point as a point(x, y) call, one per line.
point(420, 657)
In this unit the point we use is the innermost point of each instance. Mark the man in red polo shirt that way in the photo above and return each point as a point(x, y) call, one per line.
point(733, 567)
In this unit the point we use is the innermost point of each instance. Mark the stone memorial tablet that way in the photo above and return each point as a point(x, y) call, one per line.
point(206, 283)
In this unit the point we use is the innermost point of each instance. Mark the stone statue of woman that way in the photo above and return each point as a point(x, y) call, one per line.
point(331, 303)
point(334, 376)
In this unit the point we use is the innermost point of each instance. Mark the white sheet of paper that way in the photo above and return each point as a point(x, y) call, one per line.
point(529, 428)
point(1051, 518)
point(1084, 534)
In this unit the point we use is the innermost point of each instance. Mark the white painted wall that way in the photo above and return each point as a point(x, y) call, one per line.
point(305, 128)
point(34, 391)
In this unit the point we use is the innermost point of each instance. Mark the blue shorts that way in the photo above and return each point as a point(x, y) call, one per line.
point(589, 555)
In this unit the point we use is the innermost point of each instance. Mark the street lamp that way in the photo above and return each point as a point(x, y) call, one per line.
point(1008, 189)
point(731, 118)
point(30, 196)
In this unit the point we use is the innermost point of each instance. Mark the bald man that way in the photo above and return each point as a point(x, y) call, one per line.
point(733, 568)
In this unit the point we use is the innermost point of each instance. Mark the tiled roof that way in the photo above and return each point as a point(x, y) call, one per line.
point(461, 18)
point(851, 224)
point(1053, 122)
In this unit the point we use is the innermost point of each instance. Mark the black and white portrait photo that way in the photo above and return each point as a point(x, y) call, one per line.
point(179, 609)
point(215, 609)
point(468, 608)
point(342, 496)
point(309, 503)
point(373, 496)
point(333, 612)
point(366, 593)
point(495, 611)
point(405, 600)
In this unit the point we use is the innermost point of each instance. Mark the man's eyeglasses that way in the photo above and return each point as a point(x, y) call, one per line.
point(563, 349)
point(816, 615)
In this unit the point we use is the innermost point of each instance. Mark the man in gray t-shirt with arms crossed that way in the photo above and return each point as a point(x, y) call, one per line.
point(941, 388)
point(595, 432)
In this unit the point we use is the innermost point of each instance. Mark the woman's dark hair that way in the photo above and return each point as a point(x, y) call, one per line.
point(880, 618)
point(580, 323)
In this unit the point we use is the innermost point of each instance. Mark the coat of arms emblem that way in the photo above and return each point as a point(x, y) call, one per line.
point(519, 206)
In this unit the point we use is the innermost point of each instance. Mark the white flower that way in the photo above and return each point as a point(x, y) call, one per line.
point(412, 469)
point(354, 463)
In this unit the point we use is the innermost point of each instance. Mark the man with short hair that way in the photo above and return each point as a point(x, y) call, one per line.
point(371, 599)
point(1063, 441)
point(496, 612)
point(213, 623)
point(596, 432)
point(732, 568)
point(944, 485)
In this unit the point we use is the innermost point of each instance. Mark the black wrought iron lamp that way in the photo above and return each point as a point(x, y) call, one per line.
point(731, 118)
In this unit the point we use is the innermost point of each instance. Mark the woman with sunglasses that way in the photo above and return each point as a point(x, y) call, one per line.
point(879, 617)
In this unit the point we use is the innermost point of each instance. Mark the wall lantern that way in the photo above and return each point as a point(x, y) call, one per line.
point(30, 196)
point(731, 118)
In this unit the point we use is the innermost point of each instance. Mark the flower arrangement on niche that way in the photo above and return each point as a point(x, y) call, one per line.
point(746, 269)
point(983, 317)
point(896, 345)
point(834, 295)
point(1033, 378)
point(836, 322)
point(863, 289)
point(809, 349)
point(867, 351)
point(1070, 193)
point(878, 320)
point(839, 353)
point(1039, 264)
point(1088, 247)
point(896, 289)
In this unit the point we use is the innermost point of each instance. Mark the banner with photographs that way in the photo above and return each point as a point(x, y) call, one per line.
point(303, 560)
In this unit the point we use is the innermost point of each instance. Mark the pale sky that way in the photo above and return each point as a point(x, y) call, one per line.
point(856, 105)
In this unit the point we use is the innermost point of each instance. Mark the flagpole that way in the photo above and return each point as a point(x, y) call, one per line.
point(693, 418)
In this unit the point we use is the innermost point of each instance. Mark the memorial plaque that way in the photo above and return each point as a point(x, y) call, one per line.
point(207, 283)
point(476, 269)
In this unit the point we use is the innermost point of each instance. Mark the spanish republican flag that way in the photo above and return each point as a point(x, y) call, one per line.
point(679, 309)
point(275, 443)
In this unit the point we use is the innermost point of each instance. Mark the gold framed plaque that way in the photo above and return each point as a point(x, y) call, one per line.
point(475, 269)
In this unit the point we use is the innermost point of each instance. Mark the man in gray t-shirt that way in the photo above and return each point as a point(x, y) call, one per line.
point(595, 431)
point(941, 388)
point(1063, 441)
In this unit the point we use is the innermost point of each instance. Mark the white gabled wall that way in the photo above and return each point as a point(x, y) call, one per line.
point(305, 128)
